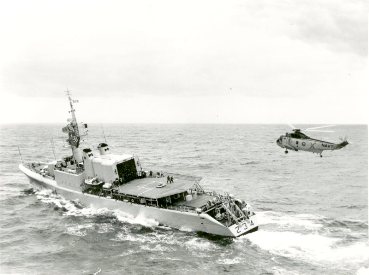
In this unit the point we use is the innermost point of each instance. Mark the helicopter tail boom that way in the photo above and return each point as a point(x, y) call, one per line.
point(342, 144)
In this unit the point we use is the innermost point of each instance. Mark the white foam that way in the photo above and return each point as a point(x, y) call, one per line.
point(311, 247)
point(281, 271)
point(128, 252)
point(363, 271)
point(105, 228)
point(47, 196)
point(228, 261)
point(156, 248)
point(185, 229)
point(78, 230)
point(125, 236)
point(306, 221)
point(87, 211)
point(199, 245)
point(140, 219)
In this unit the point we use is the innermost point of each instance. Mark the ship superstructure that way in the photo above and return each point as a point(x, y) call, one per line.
point(104, 179)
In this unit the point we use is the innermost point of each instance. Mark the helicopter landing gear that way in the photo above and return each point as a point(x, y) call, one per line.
point(321, 155)
point(286, 152)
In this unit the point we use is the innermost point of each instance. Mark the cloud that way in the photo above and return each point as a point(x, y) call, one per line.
point(293, 50)
point(338, 25)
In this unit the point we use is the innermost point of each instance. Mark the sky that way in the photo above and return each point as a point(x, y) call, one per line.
point(193, 61)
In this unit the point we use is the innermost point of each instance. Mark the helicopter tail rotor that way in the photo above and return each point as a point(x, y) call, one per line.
point(344, 140)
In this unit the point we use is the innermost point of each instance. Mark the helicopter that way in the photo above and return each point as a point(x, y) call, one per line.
point(297, 140)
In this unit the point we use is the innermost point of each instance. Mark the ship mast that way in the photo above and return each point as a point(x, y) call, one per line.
point(72, 111)
point(73, 131)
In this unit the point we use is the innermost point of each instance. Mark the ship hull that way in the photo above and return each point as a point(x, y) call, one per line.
point(172, 218)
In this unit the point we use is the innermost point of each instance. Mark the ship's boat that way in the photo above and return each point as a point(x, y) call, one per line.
point(119, 182)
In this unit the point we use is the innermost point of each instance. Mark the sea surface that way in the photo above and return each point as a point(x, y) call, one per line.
point(313, 212)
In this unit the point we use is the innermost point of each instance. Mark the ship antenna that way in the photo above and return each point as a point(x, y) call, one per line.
point(102, 127)
point(52, 147)
point(20, 155)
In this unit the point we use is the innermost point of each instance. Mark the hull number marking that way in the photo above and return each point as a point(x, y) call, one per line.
point(241, 227)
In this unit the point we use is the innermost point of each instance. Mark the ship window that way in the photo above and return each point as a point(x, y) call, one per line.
point(297, 142)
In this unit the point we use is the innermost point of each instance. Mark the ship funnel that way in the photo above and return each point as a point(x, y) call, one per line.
point(103, 149)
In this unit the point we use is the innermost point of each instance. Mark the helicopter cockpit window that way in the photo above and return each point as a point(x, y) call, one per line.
point(301, 135)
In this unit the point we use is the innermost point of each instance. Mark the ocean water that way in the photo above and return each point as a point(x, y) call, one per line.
point(313, 212)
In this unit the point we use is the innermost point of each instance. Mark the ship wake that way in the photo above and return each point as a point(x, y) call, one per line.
point(309, 238)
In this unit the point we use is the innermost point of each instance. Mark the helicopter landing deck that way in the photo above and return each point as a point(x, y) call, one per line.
point(155, 188)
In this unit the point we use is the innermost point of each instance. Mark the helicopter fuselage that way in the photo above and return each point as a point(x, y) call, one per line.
point(298, 141)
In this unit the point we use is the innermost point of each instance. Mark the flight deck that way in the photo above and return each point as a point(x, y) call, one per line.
point(158, 187)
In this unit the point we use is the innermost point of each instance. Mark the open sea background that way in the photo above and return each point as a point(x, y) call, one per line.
point(313, 212)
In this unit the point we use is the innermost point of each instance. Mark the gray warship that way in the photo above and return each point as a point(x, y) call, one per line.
point(106, 180)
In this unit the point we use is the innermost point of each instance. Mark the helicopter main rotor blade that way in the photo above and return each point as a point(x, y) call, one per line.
point(320, 131)
point(292, 126)
point(319, 127)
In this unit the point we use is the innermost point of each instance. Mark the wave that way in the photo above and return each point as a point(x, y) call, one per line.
point(305, 245)
point(140, 219)
point(306, 221)
point(73, 208)
point(250, 162)
point(353, 206)
point(28, 191)
point(230, 261)
point(277, 270)
point(363, 271)
point(346, 223)
point(309, 237)
point(199, 244)
point(310, 247)
point(311, 222)
point(78, 230)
